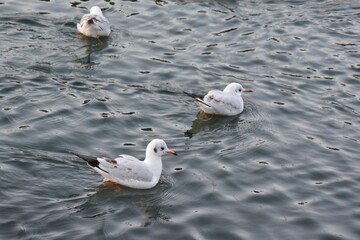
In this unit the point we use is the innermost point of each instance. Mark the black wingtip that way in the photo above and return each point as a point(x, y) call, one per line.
point(193, 95)
point(198, 98)
point(90, 160)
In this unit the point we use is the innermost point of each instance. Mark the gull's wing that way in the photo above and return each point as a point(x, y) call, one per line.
point(93, 17)
point(125, 169)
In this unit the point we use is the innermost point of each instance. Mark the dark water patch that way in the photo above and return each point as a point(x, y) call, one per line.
point(246, 50)
point(351, 139)
point(284, 53)
point(286, 167)
point(160, 60)
point(86, 101)
point(147, 129)
point(274, 39)
point(127, 113)
point(129, 144)
point(225, 31)
point(266, 198)
point(333, 148)
point(279, 103)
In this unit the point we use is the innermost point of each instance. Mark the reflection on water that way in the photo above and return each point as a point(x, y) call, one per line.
point(205, 121)
point(91, 46)
point(150, 203)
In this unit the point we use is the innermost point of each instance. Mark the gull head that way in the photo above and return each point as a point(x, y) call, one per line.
point(158, 147)
point(235, 89)
point(96, 10)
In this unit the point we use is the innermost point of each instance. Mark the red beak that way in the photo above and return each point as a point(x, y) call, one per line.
point(171, 152)
point(247, 90)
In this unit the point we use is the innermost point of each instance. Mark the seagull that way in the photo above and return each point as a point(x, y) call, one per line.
point(227, 102)
point(130, 171)
point(94, 24)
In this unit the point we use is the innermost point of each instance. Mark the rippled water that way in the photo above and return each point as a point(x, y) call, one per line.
point(286, 168)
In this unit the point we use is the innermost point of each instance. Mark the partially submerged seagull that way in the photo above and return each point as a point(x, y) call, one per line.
point(227, 102)
point(130, 171)
point(94, 24)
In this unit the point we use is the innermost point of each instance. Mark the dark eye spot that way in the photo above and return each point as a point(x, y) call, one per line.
point(155, 150)
point(162, 148)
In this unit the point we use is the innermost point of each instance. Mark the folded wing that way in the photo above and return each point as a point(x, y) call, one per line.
point(223, 103)
point(125, 169)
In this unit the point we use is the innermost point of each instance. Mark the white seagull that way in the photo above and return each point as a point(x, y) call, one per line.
point(130, 171)
point(227, 102)
point(94, 24)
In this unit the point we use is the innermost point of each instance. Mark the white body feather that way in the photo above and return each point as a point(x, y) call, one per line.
point(94, 24)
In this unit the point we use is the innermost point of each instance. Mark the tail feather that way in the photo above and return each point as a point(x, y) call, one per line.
point(198, 98)
point(194, 95)
point(93, 162)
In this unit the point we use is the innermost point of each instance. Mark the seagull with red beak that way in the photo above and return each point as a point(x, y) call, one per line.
point(130, 171)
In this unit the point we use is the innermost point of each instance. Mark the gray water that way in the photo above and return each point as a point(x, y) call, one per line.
point(286, 168)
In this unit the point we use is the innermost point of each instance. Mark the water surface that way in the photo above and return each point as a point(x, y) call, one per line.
point(286, 168)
